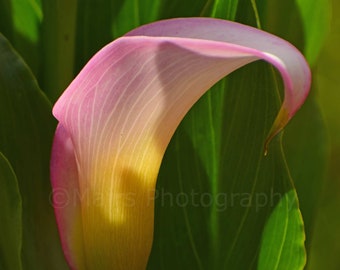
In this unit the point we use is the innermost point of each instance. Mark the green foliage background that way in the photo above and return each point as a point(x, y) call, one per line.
point(220, 204)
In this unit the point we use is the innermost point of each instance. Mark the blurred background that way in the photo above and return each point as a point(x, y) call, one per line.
point(325, 247)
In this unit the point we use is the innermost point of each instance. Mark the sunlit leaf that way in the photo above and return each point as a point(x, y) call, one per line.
point(283, 237)
point(20, 23)
point(26, 17)
point(315, 17)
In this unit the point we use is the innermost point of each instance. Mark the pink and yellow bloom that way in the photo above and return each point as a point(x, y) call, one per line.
point(117, 118)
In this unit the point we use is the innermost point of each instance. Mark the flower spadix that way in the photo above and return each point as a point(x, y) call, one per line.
point(117, 118)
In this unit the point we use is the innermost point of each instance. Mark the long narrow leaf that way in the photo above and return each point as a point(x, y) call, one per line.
point(11, 218)
point(27, 127)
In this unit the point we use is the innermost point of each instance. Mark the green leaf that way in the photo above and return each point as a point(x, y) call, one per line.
point(58, 45)
point(26, 17)
point(6, 23)
point(307, 164)
point(225, 9)
point(316, 17)
point(21, 25)
point(10, 216)
point(283, 237)
point(26, 131)
point(216, 189)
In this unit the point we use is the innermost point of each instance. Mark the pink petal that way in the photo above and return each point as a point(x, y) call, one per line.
point(120, 113)
point(66, 200)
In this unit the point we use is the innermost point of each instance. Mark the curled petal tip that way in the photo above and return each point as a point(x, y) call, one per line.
point(280, 122)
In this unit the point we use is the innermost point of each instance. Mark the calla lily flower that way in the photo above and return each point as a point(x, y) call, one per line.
point(118, 115)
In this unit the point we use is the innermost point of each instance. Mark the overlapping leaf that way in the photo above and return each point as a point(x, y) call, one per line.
point(27, 127)
point(11, 218)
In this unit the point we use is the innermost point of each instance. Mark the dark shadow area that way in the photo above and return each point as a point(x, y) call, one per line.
point(94, 28)
point(182, 209)
point(188, 8)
